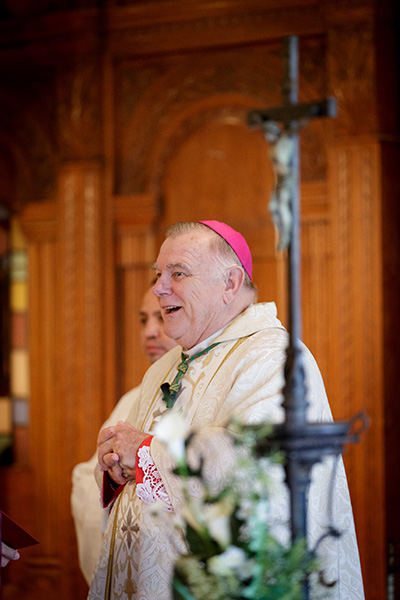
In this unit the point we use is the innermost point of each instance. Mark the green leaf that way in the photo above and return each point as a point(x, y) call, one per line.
point(181, 592)
point(201, 544)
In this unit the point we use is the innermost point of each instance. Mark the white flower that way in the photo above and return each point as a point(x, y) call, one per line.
point(172, 430)
point(193, 513)
point(219, 529)
point(233, 559)
point(217, 520)
point(262, 511)
point(211, 518)
point(245, 509)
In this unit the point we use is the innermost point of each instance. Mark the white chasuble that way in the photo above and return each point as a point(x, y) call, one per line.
point(242, 375)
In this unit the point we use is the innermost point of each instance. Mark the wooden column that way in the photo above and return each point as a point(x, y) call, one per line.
point(81, 285)
point(68, 367)
point(47, 474)
point(354, 183)
point(354, 189)
point(81, 341)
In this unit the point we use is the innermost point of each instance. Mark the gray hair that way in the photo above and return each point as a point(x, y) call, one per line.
point(217, 243)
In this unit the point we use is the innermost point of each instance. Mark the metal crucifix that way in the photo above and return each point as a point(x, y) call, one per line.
point(284, 152)
point(303, 444)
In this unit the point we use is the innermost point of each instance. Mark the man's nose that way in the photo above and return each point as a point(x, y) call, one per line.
point(161, 288)
point(152, 328)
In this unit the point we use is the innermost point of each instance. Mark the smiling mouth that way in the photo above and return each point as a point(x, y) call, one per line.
point(171, 309)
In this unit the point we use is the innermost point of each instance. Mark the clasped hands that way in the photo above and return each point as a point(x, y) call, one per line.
point(116, 451)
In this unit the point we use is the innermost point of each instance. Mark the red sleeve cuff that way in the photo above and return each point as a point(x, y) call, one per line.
point(138, 471)
point(108, 491)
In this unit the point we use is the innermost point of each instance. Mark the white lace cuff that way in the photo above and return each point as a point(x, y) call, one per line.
point(152, 488)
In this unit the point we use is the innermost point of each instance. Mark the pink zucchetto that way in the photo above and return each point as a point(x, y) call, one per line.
point(236, 242)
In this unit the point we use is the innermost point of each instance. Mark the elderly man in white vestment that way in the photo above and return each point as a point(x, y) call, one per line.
point(236, 351)
point(89, 516)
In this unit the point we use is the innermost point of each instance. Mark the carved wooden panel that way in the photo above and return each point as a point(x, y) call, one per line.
point(79, 110)
point(316, 278)
point(190, 25)
point(27, 145)
point(68, 392)
point(45, 478)
point(354, 189)
point(351, 63)
point(161, 102)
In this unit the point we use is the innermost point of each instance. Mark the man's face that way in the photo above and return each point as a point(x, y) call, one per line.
point(190, 289)
point(153, 340)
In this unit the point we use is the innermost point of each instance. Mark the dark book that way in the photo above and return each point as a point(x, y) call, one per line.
point(13, 534)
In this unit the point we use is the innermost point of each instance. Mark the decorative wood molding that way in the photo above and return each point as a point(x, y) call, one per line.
point(26, 138)
point(134, 210)
point(79, 111)
point(191, 25)
point(356, 368)
point(140, 27)
point(352, 73)
point(178, 98)
point(164, 102)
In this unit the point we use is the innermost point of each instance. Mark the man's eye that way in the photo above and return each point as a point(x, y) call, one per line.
point(177, 274)
point(143, 321)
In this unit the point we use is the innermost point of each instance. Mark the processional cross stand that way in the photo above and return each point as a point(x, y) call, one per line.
point(303, 444)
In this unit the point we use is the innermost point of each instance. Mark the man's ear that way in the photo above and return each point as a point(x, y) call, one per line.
point(233, 283)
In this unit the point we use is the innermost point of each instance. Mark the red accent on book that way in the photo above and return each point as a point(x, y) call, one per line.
point(14, 535)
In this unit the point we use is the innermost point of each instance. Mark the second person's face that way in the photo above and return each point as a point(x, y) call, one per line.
point(155, 343)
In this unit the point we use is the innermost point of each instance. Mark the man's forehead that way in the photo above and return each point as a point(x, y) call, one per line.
point(183, 251)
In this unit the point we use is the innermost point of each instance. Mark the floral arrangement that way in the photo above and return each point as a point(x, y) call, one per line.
point(231, 552)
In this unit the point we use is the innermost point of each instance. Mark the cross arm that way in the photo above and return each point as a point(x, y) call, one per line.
point(292, 112)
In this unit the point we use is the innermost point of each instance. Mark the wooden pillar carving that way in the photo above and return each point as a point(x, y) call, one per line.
point(44, 562)
point(354, 185)
point(68, 396)
point(81, 282)
point(354, 190)
point(39, 223)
